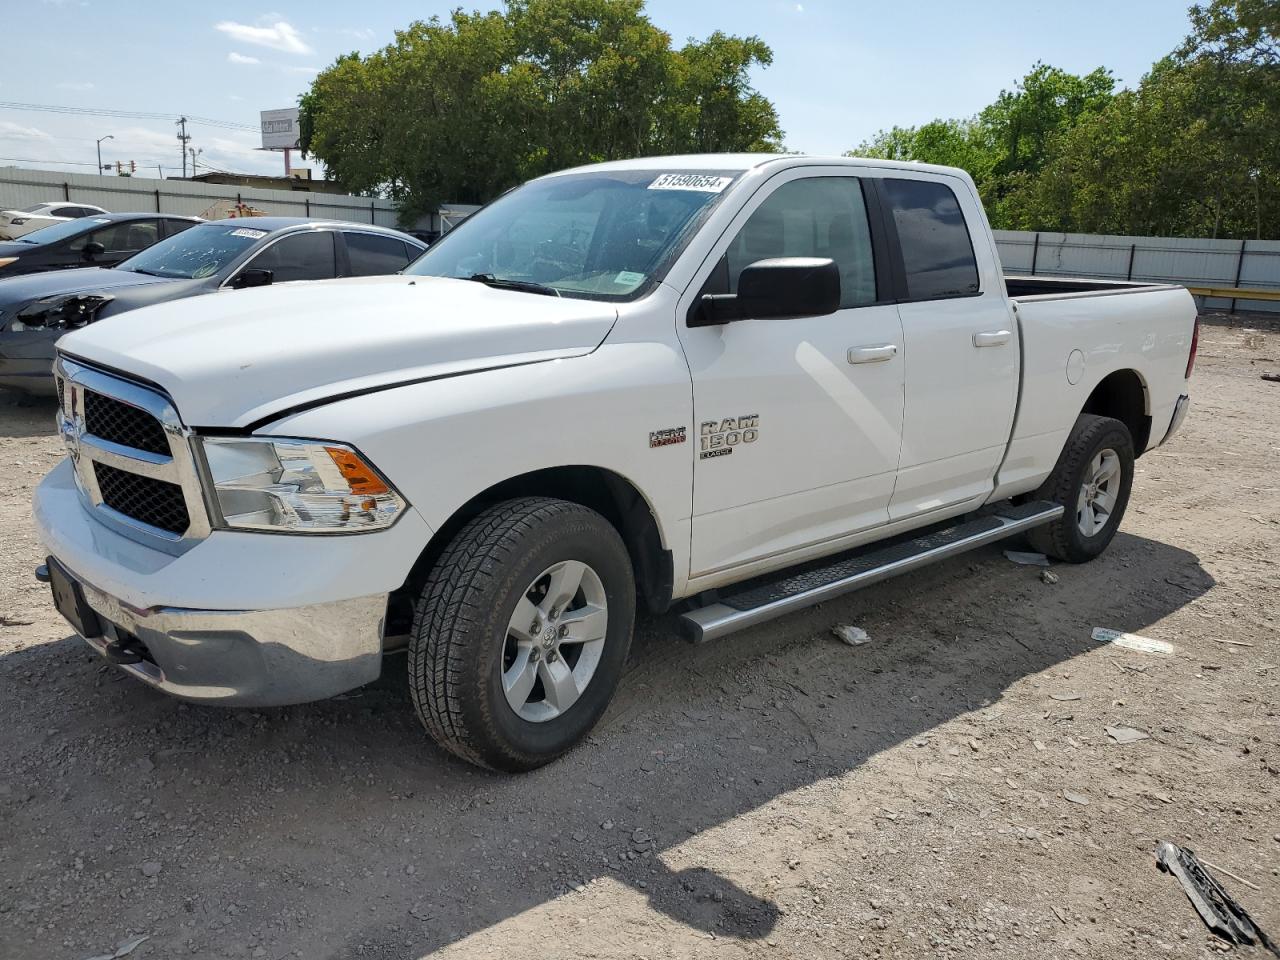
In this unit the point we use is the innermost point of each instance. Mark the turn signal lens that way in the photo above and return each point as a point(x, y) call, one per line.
point(5, 261)
point(359, 475)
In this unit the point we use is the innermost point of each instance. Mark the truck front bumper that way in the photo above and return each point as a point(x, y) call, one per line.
point(239, 619)
point(245, 658)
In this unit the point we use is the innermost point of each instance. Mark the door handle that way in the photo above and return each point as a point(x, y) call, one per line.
point(876, 354)
point(992, 338)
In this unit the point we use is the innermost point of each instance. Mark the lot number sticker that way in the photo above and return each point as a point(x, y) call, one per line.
point(690, 181)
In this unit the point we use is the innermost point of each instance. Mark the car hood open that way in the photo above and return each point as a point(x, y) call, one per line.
point(241, 357)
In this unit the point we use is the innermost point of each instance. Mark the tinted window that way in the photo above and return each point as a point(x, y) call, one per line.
point(66, 212)
point(302, 256)
point(62, 230)
point(129, 236)
point(372, 255)
point(174, 227)
point(818, 217)
point(936, 249)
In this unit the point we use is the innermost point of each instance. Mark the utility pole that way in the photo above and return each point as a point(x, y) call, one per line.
point(100, 139)
point(195, 155)
point(183, 139)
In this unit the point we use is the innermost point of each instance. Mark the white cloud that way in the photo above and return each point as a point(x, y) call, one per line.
point(310, 71)
point(278, 36)
point(799, 8)
point(15, 131)
point(234, 57)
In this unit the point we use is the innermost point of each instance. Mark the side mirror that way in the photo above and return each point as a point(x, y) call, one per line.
point(93, 249)
point(253, 277)
point(771, 289)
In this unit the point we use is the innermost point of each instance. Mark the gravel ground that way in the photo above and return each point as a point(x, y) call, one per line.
point(947, 789)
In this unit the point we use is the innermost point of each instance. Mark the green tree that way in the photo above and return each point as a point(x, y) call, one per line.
point(464, 109)
point(1006, 144)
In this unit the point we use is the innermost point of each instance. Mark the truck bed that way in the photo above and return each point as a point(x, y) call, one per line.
point(1052, 288)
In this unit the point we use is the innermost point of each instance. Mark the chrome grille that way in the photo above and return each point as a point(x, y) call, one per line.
point(156, 503)
point(123, 424)
point(133, 460)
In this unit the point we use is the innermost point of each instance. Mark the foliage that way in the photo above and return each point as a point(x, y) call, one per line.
point(462, 110)
point(1191, 151)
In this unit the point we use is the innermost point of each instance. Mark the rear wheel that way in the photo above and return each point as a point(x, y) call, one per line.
point(521, 632)
point(1092, 480)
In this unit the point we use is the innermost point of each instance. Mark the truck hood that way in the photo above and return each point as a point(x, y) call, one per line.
point(239, 357)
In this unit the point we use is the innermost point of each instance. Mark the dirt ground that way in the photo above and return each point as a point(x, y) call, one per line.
point(947, 789)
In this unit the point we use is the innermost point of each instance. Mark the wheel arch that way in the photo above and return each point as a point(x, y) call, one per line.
point(610, 494)
point(1123, 395)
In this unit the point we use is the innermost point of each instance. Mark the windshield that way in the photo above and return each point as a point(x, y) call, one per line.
point(197, 252)
point(595, 236)
point(60, 231)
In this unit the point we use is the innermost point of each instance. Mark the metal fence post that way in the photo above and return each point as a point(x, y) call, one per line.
point(1133, 249)
point(1035, 253)
point(306, 201)
point(373, 216)
point(1239, 271)
point(157, 201)
point(66, 192)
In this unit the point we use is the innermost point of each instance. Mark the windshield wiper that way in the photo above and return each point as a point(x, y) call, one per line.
point(527, 286)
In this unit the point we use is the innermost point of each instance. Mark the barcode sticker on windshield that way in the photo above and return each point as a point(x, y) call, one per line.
point(250, 234)
point(690, 181)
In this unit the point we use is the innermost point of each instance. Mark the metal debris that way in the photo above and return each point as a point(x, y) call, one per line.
point(1217, 909)
point(1131, 641)
point(853, 636)
point(1027, 559)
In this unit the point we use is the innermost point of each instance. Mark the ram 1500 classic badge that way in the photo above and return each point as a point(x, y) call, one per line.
point(719, 437)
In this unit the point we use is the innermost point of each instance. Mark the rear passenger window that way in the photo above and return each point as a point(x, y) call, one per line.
point(372, 255)
point(936, 249)
point(817, 217)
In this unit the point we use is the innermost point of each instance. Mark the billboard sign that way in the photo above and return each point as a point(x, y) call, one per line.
point(280, 129)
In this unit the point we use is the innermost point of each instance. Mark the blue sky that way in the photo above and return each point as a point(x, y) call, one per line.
point(841, 71)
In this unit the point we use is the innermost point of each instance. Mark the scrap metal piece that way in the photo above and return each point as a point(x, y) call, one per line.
point(1217, 909)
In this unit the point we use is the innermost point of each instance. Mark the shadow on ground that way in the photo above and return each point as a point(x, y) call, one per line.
point(337, 828)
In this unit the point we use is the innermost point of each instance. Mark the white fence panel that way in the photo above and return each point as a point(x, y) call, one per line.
point(1192, 261)
point(20, 187)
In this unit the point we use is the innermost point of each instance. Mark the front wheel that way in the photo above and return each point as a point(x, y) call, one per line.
point(1092, 480)
point(521, 632)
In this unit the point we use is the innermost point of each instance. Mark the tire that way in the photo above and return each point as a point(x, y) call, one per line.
point(1093, 441)
point(465, 647)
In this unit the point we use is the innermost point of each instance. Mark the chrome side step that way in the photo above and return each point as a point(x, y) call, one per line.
point(749, 605)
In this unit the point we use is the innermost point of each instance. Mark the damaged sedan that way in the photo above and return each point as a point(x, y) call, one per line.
point(215, 257)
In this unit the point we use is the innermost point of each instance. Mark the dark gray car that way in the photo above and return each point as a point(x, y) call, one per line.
point(222, 255)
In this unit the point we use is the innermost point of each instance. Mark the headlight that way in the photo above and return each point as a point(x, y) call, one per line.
point(19, 221)
point(297, 486)
point(5, 261)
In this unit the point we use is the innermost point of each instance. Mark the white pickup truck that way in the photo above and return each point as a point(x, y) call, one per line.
point(735, 385)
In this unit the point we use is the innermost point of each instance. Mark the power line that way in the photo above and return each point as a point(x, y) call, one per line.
point(122, 114)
